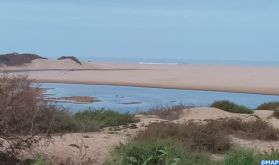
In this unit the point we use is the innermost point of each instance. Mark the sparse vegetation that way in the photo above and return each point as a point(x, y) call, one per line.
point(252, 129)
point(231, 107)
point(268, 106)
point(247, 157)
point(40, 161)
point(168, 112)
point(23, 115)
point(192, 143)
point(95, 119)
point(165, 151)
point(170, 152)
point(276, 113)
point(197, 137)
point(26, 118)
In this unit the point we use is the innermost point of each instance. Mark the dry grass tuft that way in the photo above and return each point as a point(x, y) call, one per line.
point(212, 136)
point(253, 129)
point(276, 113)
point(168, 112)
point(268, 106)
point(231, 107)
point(198, 137)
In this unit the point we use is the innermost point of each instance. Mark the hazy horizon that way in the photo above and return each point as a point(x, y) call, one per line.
point(150, 29)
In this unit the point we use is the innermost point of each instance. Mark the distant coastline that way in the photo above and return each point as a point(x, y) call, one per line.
point(156, 63)
point(182, 61)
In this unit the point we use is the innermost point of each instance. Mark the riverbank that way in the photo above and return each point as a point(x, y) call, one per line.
point(246, 79)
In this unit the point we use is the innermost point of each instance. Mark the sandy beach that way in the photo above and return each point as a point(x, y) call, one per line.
point(248, 79)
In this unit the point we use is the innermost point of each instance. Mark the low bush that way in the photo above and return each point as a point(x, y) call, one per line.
point(6, 159)
point(247, 157)
point(253, 129)
point(268, 106)
point(212, 136)
point(168, 112)
point(259, 129)
point(231, 107)
point(169, 152)
point(61, 120)
point(197, 137)
point(155, 152)
point(276, 113)
point(23, 115)
point(40, 161)
point(95, 119)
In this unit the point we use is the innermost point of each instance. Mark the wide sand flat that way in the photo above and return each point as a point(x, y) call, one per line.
point(248, 79)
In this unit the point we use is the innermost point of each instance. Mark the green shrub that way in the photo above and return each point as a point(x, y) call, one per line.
point(268, 106)
point(165, 152)
point(95, 119)
point(247, 157)
point(170, 152)
point(231, 107)
point(84, 121)
point(191, 143)
point(40, 161)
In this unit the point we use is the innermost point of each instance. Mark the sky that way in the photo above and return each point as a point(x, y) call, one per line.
point(162, 29)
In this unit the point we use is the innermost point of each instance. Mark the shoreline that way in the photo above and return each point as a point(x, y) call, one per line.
point(161, 87)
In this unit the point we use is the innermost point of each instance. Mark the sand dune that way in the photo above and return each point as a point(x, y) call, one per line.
point(206, 113)
point(45, 64)
point(201, 77)
point(98, 145)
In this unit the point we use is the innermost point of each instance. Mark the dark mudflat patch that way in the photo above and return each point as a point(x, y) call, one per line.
point(75, 99)
point(132, 102)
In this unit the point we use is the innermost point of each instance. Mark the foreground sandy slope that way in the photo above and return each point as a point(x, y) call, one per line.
point(204, 77)
point(98, 145)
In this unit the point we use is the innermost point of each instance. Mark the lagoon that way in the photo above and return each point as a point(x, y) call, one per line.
point(136, 99)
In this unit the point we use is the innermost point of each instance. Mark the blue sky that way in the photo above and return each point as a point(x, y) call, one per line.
point(182, 29)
